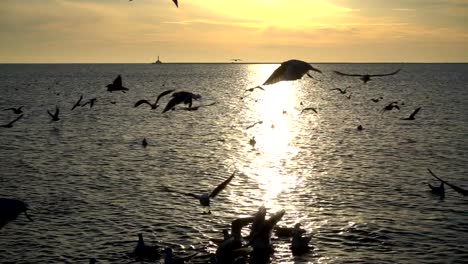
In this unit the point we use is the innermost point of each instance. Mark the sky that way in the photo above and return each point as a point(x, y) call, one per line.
point(122, 31)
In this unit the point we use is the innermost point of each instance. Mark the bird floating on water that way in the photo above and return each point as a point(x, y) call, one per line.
point(17, 111)
point(290, 70)
point(10, 124)
point(181, 97)
point(299, 243)
point(55, 116)
point(376, 100)
point(252, 142)
point(145, 252)
point(116, 85)
point(411, 117)
point(454, 187)
point(10, 209)
point(144, 143)
point(366, 77)
point(155, 105)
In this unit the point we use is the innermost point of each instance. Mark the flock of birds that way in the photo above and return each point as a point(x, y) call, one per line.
point(233, 248)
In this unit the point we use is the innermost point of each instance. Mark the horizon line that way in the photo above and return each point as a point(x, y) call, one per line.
point(331, 62)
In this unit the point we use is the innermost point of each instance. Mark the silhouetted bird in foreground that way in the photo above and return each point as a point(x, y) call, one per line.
point(10, 125)
point(290, 70)
point(181, 97)
point(55, 116)
point(411, 117)
point(17, 111)
point(204, 198)
point(10, 209)
point(261, 230)
point(299, 243)
point(77, 103)
point(454, 187)
point(144, 252)
point(116, 85)
point(366, 77)
point(155, 105)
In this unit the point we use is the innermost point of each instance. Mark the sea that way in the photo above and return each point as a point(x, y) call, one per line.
point(362, 195)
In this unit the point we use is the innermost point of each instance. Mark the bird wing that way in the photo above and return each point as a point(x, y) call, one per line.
point(456, 188)
point(175, 2)
point(239, 223)
point(77, 103)
point(385, 74)
point(11, 108)
point(50, 114)
point(277, 75)
point(142, 102)
point(414, 113)
point(309, 108)
point(163, 94)
point(173, 102)
point(221, 187)
point(117, 82)
point(16, 119)
point(57, 111)
point(347, 74)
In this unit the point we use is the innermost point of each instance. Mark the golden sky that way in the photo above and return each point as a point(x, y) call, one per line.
point(220, 30)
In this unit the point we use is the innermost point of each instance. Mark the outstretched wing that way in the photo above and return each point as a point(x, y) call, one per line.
point(16, 119)
point(239, 223)
point(385, 74)
point(142, 102)
point(11, 108)
point(175, 2)
point(50, 114)
point(277, 75)
point(173, 102)
point(118, 82)
point(414, 113)
point(77, 103)
point(163, 94)
point(456, 188)
point(347, 74)
point(309, 108)
point(221, 186)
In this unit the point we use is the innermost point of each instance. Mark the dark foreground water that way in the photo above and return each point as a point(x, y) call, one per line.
point(361, 194)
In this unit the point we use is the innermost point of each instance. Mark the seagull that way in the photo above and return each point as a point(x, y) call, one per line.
point(438, 190)
point(175, 2)
point(252, 142)
point(282, 231)
point(204, 198)
point(411, 117)
point(260, 238)
point(456, 188)
point(341, 90)
point(10, 209)
point(236, 59)
point(171, 259)
point(390, 106)
point(17, 111)
point(155, 105)
point(55, 115)
point(10, 125)
point(144, 143)
point(232, 242)
point(181, 97)
point(145, 252)
point(116, 85)
point(366, 77)
point(309, 108)
point(253, 88)
point(290, 70)
point(299, 244)
point(360, 128)
point(376, 100)
point(90, 102)
point(254, 124)
point(77, 103)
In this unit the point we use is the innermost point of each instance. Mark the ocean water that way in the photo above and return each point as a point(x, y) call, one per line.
point(362, 195)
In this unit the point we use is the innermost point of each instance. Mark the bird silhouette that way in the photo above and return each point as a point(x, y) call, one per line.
point(90, 102)
point(176, 3)
point(390, 107)
point(290, 70)
point(116, 85)
point(10, 209)
point(144, 143)
point(252, 142)
point(17, 111)
point(155, 105)
point(299, 243)
point(366, 77)
point(411, 117)
point(204, 198)
point(261, 229)
point(340, 90)
point(10, 124)
point(253, 88)
point(376, 100)
point(55, 116)
point(77, 103)
point(254, 124)
point(143, 251)
point(181, 97)
point(309, 109)
point(454, 187)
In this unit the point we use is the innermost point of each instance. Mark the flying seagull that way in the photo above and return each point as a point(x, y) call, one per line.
point(77, 103)
point(10, 125)
point(17, 111)
point(155, 105)
point(366, 77)
point(204, 198)
point(290, 70)
point(90, 102)
point(390, 107)
point(340, 90)
point(116, 85)
point(10, 209)
point(253, 88)
point(181, 97)
point(309, 108)
point(411, 117)
point(55, 115)
point(456, 188)
point(176, 3)
point(254, 124)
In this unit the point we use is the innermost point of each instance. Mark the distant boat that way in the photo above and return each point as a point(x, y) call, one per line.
point(157, 62)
